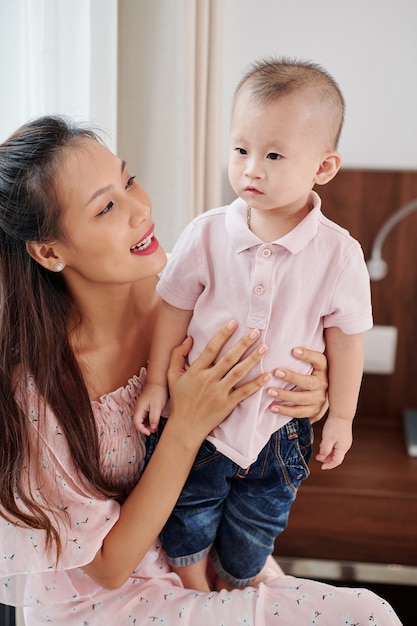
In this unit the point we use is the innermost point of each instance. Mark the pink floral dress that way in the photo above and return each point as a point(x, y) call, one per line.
point(153, 595)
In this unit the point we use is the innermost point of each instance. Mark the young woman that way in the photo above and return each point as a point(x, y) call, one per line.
point(78, 515)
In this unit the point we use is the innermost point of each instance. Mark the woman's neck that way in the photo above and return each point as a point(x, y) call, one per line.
point(112, 342)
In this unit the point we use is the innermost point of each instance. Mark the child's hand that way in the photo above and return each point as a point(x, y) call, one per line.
point(149, 407)
point(336, 441)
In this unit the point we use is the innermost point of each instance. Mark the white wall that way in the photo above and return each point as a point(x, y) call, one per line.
point(369, 46)
point(152, 122)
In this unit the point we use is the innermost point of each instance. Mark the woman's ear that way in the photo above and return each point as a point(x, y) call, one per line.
point(45, 255)
point(328, 169)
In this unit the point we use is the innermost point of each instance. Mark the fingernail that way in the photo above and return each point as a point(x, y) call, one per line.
point(254, 333)
point(267, 378)
point(298, 351)
point(279, 373)
point(231, 324)
point(262, 348)
point(272, 392)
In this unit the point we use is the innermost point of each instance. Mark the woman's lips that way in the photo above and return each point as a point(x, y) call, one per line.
point(147, 245)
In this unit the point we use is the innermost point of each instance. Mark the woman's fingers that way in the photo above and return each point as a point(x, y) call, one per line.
point(178, 356)
point(242, 392)
point(307, 395)
point(317, 379)
point(210, 389)
point(231, 366)
point(235, 375)
point(230, 363)
point(213, 348)
point(317, 359)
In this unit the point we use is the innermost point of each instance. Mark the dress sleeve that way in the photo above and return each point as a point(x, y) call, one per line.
point(82, 518)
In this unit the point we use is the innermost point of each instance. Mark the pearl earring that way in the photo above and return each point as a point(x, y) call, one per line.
point(58, 267)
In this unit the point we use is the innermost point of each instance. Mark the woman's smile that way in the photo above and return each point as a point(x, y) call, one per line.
point(147, 245)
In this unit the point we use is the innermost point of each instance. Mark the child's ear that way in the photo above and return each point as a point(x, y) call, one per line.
point(43, 253)
point(328, 169)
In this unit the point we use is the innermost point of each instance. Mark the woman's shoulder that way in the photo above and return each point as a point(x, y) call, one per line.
point(123, 397)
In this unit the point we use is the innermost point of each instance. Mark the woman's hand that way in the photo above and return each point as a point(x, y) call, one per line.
point(312, 401)
point(204, 394)
point(201, 398)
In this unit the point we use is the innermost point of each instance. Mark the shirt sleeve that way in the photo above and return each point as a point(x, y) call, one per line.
point(181, 282)
point(82, 518)
point(350, 302)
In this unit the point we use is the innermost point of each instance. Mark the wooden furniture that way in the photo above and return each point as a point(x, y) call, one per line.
point(365, 510)
point(361, 201)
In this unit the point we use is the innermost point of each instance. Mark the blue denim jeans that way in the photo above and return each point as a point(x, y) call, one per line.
point(235, 514)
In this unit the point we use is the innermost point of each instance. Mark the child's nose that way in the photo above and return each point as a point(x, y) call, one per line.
point(253, 168)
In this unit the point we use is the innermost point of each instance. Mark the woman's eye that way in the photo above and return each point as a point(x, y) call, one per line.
point(106, 209)
point(274, 156)
point(130, 181)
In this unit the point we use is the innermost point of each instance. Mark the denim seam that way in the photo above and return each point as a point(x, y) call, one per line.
point(189, 559)
point(228, 578)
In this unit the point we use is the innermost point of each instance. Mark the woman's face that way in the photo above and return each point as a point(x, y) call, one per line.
point(107, 223)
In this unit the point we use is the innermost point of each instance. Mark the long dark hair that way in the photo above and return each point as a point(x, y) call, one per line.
point(34, 312)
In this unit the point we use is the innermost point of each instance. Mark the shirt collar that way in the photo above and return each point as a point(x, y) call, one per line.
point(294, 241)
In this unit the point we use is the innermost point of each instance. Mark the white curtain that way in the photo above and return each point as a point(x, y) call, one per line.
point(205, 99)
point(59, 56)
point(169, 121)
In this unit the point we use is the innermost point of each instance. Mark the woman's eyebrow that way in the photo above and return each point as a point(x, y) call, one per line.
point(102, 190)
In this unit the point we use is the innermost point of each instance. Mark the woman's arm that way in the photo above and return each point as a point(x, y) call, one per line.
point(201, 398)
point(312, 401)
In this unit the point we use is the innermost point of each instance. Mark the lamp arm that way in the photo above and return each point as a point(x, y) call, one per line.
point(377, 267)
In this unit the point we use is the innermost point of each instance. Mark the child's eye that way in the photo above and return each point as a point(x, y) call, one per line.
point(106, 209)
point(130, 181)
point(241, 150)
point(274, 156)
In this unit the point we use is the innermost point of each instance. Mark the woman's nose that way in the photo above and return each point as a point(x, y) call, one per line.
point(139, 212)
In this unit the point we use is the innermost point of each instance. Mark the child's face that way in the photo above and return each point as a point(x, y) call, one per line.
point(277, 152)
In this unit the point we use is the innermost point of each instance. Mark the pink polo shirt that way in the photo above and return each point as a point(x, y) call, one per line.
point(290, 289)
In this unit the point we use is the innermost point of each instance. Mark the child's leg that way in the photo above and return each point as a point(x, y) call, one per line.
point(257, 508)
point(194, 576)
point(222, 584)
point(269, 572)
point(192, 526)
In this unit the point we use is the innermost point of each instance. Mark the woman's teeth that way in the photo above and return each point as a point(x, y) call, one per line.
point(143, 244)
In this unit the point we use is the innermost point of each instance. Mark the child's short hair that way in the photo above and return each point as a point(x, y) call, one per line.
point(269, 79)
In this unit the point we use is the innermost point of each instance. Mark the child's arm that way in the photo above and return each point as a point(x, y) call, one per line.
point(170, 330)
point(345, 358)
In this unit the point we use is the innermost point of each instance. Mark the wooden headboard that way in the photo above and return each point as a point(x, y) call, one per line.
point(361, 201)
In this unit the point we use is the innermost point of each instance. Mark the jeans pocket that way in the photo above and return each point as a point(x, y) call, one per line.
point(207, 453)
point(294, 448)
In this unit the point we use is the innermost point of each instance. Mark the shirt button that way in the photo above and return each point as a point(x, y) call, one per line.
point(266, 252)
point(259, 289)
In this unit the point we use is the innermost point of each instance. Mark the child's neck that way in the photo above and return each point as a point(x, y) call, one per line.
point(272, 225)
